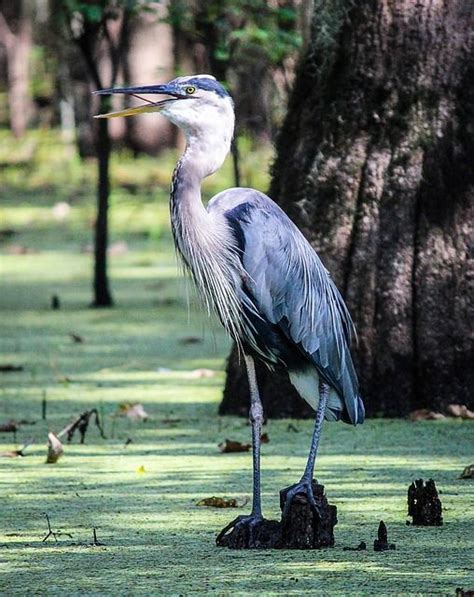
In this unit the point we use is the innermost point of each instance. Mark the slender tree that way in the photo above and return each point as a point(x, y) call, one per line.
point(99, 29)
point(374, 163)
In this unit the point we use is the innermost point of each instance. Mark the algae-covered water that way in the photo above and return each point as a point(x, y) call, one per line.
point(141, 494)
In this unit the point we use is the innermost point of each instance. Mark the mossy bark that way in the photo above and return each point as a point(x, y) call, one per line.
point(374, 164)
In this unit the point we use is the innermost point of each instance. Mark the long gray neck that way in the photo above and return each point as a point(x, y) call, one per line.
point(189, 219)
point(203, 238)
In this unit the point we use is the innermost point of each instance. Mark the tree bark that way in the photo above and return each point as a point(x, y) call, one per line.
point(102, 295)
point(374, 163)
point(16, 36)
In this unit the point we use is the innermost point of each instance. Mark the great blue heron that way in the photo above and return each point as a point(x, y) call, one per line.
point(256, 270)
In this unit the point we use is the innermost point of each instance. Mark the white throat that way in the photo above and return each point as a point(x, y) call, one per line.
point(208, 128)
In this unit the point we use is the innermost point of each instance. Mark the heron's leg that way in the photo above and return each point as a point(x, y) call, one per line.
point(251, 520)
point(256, 420)
point(323, 400)
point(304, 485)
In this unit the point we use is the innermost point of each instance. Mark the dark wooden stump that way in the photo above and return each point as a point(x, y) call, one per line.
point(264, 535)
point(381, 543)
point(300, 528)
point(424, 505)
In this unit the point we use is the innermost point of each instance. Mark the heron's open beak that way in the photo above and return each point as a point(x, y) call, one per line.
point(149, 106)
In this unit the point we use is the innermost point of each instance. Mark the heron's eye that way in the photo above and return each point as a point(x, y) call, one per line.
point(190, 90)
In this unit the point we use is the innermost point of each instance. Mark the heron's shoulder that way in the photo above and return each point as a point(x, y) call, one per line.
point(238, 199)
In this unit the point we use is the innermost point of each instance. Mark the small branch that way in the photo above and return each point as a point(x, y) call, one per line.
point(52, 533)
point(81, 424)
point(95, 542)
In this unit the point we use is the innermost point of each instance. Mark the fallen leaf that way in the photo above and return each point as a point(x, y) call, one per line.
point(425, 414)
point(229, 446)
point(55, 448)
point(170, 421)
point(165, 302)
point(134, 412)
point(8, 368)
point(140, 470)
point(468, 472)
point(190, 340)
point(220, 502)
point(76, 338)
point(264, 438)
point(11, 426)
point(460, 411)
point(19, 250)
point(201, 373)
point(17, 453)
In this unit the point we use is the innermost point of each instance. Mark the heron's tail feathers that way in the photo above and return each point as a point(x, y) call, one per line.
point(306, 383)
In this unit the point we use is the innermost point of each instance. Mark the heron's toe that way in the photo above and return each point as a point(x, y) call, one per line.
point(241, 524)
point(304, 488)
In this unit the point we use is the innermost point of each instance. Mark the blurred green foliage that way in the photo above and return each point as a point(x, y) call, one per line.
point(240, 25)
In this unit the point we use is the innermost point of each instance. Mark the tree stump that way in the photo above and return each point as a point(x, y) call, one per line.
point(424, 505)
point(300, 528)
point(381, 543)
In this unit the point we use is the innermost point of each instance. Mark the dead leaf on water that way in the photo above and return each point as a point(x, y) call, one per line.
point(11, 426)
point(228, 446)
point(201, 373)
point(264, 438)
point(55, 448)
point(76, 338)
point(16, 249)
point(460, 411)
point(468, 472)
point(171, 421)
point(134, 412)
point(425, 414)
point(190, 340)
point(220, 502)
point(17, 453)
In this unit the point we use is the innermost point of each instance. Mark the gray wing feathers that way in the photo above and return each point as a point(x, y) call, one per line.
point(292, 289)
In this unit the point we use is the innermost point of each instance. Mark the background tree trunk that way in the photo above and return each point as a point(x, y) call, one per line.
point(374, 163)
point(16, 35)
point(102, 295)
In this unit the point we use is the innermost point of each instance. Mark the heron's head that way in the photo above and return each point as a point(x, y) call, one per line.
point(198, 104)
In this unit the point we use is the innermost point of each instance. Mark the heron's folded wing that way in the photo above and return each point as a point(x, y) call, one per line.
point(292, 289)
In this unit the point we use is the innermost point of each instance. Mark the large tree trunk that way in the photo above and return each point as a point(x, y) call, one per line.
point(16, 34)
point(374, 163)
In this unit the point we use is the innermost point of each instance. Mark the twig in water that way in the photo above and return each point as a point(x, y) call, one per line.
point(81, 424)
point(95, 542)
point(52, 533)
point(44, 405)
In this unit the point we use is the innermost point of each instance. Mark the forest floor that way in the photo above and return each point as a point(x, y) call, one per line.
point(140, 486)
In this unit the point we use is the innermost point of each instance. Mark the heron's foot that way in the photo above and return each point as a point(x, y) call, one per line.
point(305, 488)
point(243, 526)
